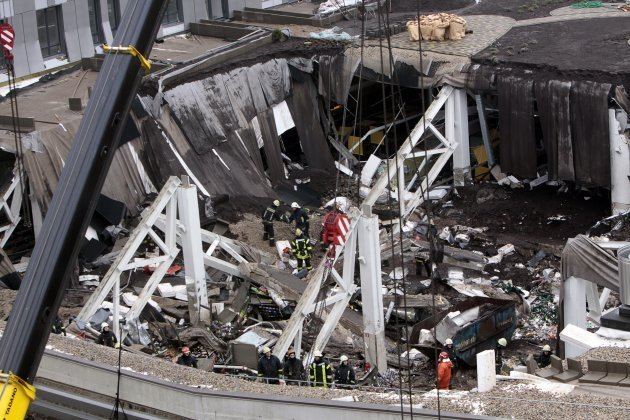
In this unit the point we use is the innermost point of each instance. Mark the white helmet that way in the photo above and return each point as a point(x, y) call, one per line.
point(318, 353)
point(266, 350)
point(276, 203)
point(448, 341)
point(344, 358)
point(295, 205)
point(502, 342)
point(298, 232)
point(546, 347)
point(104, 325)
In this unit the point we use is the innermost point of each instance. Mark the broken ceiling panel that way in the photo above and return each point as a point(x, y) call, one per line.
point(590, 128)
point(304, 108)
point(516, 123)
point(226, 168)
point(272, 146)
point(552, 98)
point(123, 183)
point(335, 76)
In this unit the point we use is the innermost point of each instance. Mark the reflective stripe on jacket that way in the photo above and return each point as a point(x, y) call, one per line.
point(321, 374)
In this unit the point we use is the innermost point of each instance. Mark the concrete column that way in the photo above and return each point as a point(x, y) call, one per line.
point(574, 307)
point(619, 163)
point(193, 252)
point(372, 290)
point(486, 373)
point(457, 130)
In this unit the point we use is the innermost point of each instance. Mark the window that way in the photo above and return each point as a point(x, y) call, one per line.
point(95, 21)
point(174, 12)
point(49, 29)
point(113, 11)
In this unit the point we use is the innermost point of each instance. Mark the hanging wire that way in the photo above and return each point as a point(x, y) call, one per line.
point(390, 206)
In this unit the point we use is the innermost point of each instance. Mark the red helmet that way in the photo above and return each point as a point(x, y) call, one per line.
point(444, 355)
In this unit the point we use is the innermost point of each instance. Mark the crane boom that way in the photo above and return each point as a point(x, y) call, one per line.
point(72, 206)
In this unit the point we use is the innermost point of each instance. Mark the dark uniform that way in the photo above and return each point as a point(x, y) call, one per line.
point(187, 360)
point(344, 375)
point(294, 371)
point(544, 359)
point(301, 248)
point(320, 373)
point(498, 359)
point(451, 354)
point(301, 220)
point(107, 338)
point(268, 217)
point(57, 326)
point(270, 368)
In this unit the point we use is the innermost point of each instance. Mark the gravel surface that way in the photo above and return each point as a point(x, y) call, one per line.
point(508, 400)
point(608, 354)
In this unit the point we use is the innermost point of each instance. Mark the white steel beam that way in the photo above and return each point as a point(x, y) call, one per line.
point(372, 290)
point(149, 288)
point(457, 130)
point(149, 216)
point(193, 253)
point(312, 291)
point(407, 147)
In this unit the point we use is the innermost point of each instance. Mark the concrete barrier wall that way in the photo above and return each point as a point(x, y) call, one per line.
point(219, 30)
point(196, 403)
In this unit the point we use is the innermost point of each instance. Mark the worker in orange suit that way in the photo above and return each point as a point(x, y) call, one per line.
point(444, 371)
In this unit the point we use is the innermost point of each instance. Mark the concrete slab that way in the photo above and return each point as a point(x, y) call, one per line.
point(567, 376)
point(596, 371)
point(617, 372)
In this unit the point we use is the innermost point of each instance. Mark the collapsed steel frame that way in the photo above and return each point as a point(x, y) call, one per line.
point(10, 205)
point(361, 244)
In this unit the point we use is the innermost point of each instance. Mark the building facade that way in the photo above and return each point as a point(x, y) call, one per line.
point(52, 33)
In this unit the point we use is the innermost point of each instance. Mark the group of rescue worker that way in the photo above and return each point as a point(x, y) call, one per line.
point(292, 372)
point(301, 247)
point(448, 361)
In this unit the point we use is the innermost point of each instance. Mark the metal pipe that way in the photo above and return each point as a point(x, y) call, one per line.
point(75, 197)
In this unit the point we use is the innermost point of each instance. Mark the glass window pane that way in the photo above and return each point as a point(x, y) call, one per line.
point(113, 13)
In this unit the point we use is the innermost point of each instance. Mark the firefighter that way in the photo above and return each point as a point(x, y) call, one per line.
point(300, 217)
point(293, 369)
point(320, 372)
point(344, 375)
point(187, 359)
point(450, 349)
point(444, 371)
point(268, 217)
point(498, 356)
point(544, 358)
point(301, 248)
point(57, 326)
point(107, 338)
point(270, 367)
